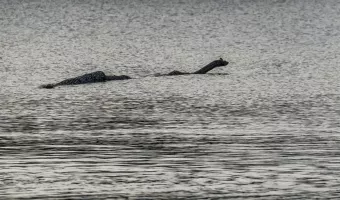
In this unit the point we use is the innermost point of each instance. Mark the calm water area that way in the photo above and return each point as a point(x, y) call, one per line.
point(264, 127)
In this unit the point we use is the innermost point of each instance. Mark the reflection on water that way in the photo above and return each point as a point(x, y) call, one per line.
point(174, 162)
point(181, 143)
point(264, 127)
point(171, 162)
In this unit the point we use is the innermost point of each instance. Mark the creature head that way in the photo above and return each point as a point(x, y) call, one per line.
point(222, 62)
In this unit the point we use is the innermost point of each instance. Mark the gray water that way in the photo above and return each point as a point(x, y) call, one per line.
point(264, 127)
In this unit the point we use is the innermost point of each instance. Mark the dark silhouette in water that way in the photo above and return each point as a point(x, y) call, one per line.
point(93, 77)
point(100, 76)
point(204, 70)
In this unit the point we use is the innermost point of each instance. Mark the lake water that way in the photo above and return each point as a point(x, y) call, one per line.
point(264, 127)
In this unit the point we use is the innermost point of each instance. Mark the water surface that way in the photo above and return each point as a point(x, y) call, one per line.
point(264, 127)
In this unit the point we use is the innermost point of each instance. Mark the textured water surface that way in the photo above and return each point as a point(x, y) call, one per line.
point(264, 127)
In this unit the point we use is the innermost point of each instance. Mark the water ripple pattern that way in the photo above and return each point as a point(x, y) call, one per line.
point(264, 127)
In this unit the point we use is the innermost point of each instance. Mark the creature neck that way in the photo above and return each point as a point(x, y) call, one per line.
point(208, 67)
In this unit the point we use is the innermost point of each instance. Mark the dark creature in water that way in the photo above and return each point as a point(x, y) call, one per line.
point(93, 77)
point(100, 76)
point(204, 70)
